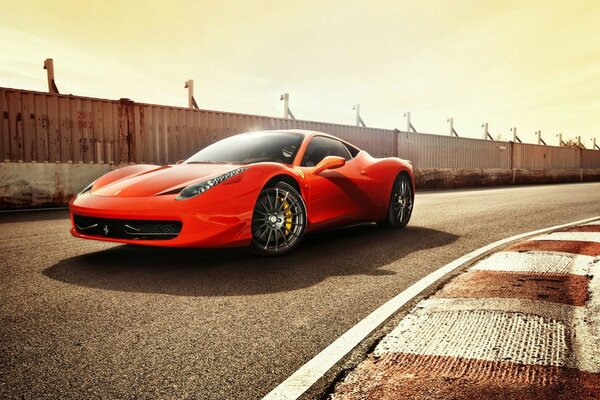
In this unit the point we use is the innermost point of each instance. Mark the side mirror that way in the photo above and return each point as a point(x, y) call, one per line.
point(180, 162)
point(329, 162)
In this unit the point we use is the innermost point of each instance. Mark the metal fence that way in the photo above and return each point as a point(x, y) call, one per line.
point(43, 127)
point(590, 159)
point(532, 156)
point(435, 151)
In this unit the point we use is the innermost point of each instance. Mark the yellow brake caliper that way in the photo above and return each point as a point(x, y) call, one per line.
point(288, 217)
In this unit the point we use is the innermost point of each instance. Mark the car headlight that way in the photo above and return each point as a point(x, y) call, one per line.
point(86, 189)
point(198, 188)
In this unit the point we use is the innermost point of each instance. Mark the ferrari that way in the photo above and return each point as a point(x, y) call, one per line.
point(261, 189)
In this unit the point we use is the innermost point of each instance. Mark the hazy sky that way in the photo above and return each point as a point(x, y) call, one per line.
point(530, 64)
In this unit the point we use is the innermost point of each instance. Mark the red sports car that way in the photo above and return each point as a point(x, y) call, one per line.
point(262, 189)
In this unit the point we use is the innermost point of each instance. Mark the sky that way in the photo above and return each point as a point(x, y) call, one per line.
point(534, 65)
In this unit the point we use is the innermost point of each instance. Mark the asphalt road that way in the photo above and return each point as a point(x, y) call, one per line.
point(84, 319)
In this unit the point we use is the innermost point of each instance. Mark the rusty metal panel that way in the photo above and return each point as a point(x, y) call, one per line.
point(3, 125)
point(97, 128)
point(140, 129)
point(116, 150)
point(66, 129)
point(202, 121)
point(137, 143)
point(153, 133)
point(164, 132)
point(29, 148)
point(123, 142)
point(15, 125)
point(172, 135)
point(196, 122)
point(106, 126)
point(590, 159)
point(53, 129)
point(131, 132)
point(150, 155)
point(85, 121)
point(183, 145)
point(76, 130)
point(190, 133)
point(40, 127)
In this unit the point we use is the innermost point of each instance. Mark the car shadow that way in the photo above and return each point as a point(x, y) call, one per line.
point(363, 249)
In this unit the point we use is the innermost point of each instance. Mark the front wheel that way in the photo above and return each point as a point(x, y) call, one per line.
point(401, 203)
point(278, 221)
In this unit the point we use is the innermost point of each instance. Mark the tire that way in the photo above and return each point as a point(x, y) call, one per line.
point(401, 203)
point(278, 220)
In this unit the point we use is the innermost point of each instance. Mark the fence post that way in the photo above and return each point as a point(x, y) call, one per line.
point(452, 130)
point(189, 85)
point(409, 125)
point(287, 113)
point(539, 136)
point(286, 104)
point(514, 133)
point(49, 67)
point(486, 132)
point(359, 121)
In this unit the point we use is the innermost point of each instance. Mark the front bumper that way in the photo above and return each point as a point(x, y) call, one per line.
point(206, 221)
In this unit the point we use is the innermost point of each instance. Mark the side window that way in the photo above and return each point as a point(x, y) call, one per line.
point(321, 147)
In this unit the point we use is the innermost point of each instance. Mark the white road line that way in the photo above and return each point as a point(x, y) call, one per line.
point(574, 236)
point(536, 262)
point(307, 375)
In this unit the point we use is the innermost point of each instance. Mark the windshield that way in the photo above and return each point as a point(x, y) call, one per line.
point(248, 148)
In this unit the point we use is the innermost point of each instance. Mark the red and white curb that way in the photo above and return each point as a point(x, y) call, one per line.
point(519, 324)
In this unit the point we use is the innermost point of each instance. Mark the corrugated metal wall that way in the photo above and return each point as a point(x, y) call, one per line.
point(590, 159)
point(42, 127)
point(57, 128)
point(531, 156)
point(435, 151)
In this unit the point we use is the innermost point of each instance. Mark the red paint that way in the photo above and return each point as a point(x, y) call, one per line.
point(584, 228)
point(561, 246)
point(558, 288)
point(423, 377)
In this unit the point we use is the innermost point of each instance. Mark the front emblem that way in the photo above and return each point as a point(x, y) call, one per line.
point(105, 230)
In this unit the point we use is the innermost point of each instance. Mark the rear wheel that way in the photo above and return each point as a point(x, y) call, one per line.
point(401, 203)
point(278, 221)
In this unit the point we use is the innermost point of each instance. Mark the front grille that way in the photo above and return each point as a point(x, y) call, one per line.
point(127, 228)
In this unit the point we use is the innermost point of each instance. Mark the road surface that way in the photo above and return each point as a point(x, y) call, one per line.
point(82, 318)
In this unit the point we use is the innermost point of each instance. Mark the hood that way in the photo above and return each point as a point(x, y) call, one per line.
point(162, 179)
